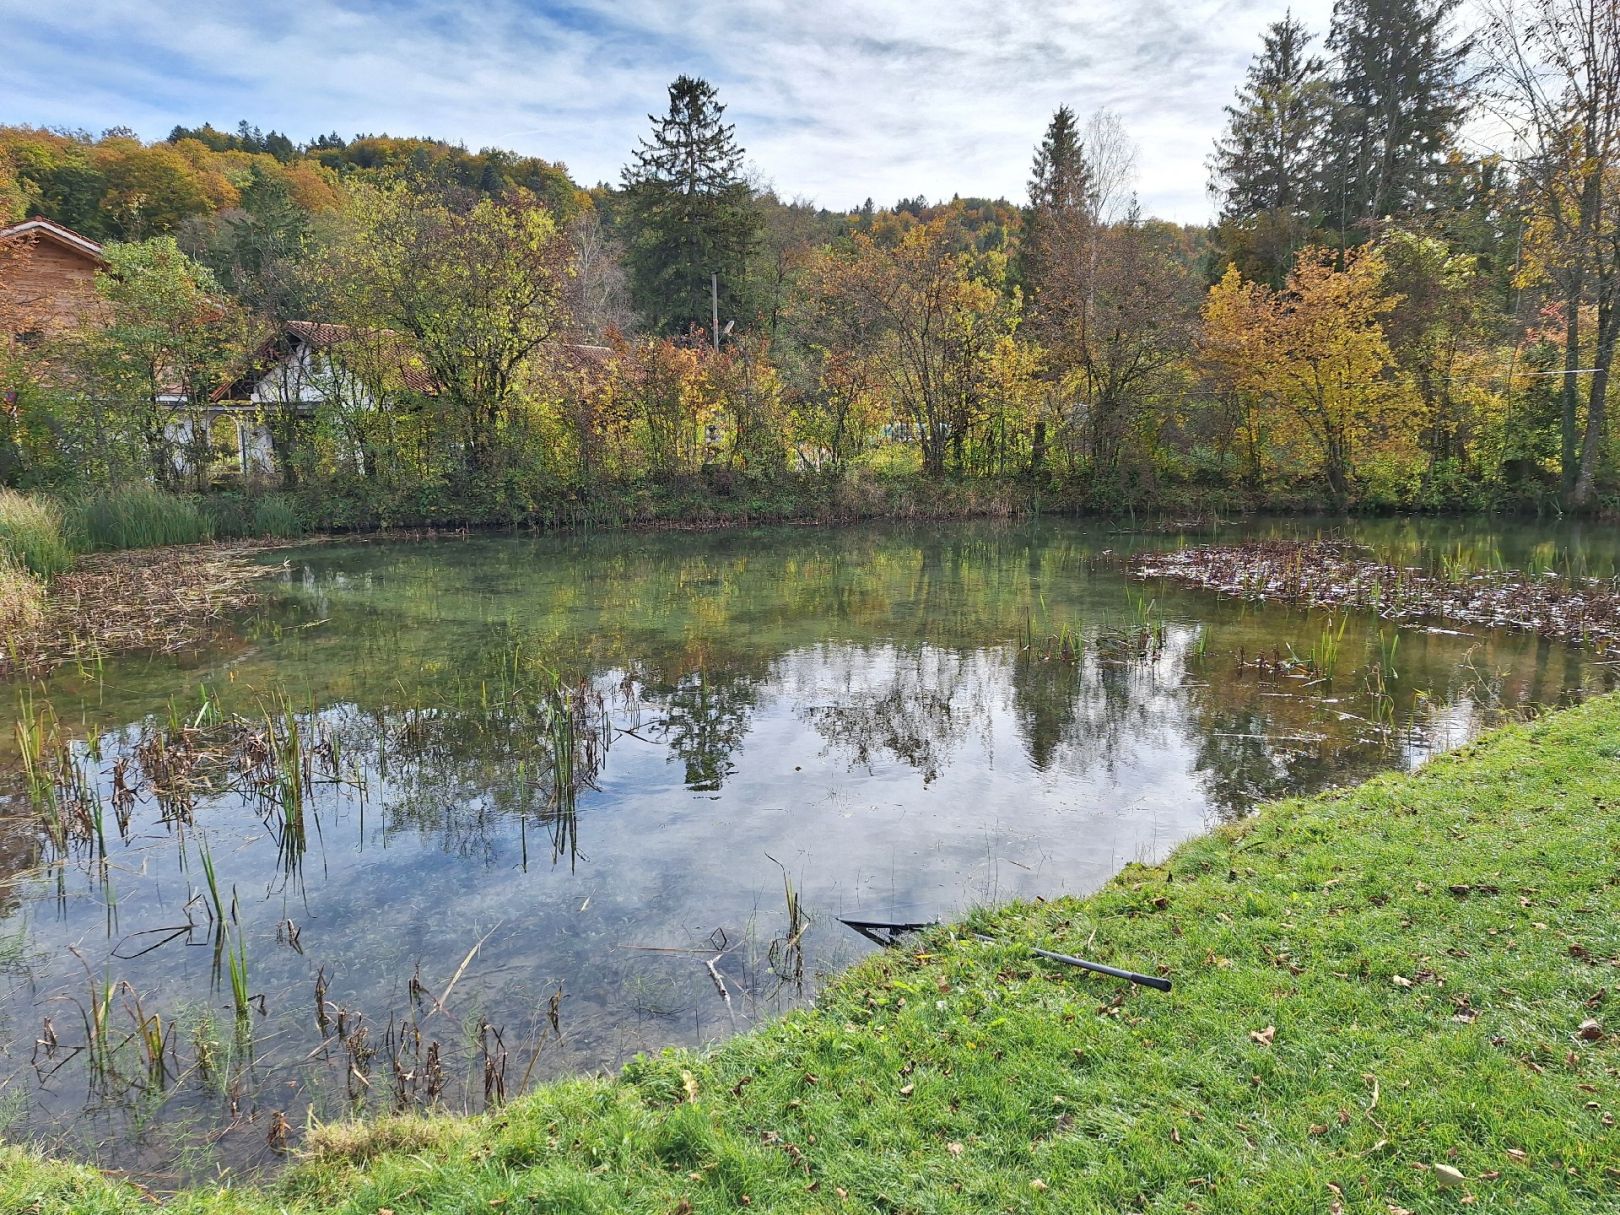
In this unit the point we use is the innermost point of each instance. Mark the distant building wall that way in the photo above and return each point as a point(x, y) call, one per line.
point(50, 283)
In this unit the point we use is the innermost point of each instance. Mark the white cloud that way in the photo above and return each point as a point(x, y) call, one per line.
point(836, 100)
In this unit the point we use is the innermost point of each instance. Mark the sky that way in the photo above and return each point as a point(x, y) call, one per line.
point(834, 100)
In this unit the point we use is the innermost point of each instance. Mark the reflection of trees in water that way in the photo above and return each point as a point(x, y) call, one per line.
point(915, 704)
point(897, 638)
point(1116, 707)
point(705, 719)
point(514, 744)
point(919, 704)
point(1245, 762)
point(1044, 696)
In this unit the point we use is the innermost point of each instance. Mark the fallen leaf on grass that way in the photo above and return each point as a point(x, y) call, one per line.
point(1447, 1177)
point(1264, 1036)
point(1038, 1185)
point(955, 1149)
point(1400, 981)
point(1590, 1031)
point(907, 1089)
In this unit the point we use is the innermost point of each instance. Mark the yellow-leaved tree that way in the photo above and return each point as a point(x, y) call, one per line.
point(1314, 357)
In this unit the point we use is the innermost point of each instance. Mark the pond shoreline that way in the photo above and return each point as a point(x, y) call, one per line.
point(167, 599)
point(1356, 975)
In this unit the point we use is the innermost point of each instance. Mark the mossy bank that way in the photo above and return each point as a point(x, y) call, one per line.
point(1398, 997)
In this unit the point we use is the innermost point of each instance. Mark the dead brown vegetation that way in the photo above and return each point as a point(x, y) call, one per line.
point(160, 601)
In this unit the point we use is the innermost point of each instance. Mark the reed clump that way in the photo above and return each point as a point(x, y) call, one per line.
point(22, 600)
point(138, 516)
point(160, 601)
point(33, 533)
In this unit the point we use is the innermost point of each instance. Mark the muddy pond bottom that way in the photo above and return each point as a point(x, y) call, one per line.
point(449, 819)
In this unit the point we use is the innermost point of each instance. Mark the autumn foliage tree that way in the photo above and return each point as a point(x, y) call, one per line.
point(1314, 355)
point(930, 326)
point(1557, 64)
point(478, 290)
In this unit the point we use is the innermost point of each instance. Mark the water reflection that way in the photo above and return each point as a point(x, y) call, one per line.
point(539, 786)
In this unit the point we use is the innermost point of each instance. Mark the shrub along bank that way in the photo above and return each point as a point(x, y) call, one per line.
point(1392, 998)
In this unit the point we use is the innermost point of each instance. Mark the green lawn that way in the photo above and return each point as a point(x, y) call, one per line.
point(1378, 1005)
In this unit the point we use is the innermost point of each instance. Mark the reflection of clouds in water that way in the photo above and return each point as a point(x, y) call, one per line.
point(857, 706)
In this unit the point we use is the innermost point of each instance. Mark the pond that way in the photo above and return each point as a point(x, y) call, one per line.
point(448, 818)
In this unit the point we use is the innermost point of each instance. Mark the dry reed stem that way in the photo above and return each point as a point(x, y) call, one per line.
point(1339, 576)
point(159, 600)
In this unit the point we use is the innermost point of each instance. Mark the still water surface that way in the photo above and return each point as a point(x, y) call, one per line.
point(880, 723)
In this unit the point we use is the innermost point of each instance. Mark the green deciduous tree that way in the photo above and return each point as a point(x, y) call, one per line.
point(476, 291)
point(165, 339)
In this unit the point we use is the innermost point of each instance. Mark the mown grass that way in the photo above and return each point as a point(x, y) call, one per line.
point(1372, 987)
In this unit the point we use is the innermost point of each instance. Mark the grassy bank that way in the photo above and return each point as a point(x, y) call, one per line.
point(1392, 998)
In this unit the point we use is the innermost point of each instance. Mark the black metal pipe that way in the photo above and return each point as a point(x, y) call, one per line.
point(1153, 981)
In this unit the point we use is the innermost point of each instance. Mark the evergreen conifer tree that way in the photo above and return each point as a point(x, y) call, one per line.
point(691, 213)
point(1398, 99)
point(1266, 160)
point(1060, 210)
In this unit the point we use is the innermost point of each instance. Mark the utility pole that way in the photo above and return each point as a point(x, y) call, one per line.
point(714, 300)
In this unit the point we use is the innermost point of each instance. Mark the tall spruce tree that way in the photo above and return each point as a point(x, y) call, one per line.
point(1266, 158)
point(1056, 251)
point(691, 214)
point(1060, 212)
point(1398, 98)
point(1058, 178)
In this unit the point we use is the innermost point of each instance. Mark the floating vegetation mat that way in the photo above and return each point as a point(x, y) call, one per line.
point(1343, 576)
point(159, 600)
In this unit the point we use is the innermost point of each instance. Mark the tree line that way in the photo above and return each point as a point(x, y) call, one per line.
point(1410, 297)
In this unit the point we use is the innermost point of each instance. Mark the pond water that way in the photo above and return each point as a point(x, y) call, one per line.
point(556, 800)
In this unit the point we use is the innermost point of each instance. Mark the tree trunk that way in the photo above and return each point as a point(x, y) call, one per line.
point(1570, 397)
point(1596, 405)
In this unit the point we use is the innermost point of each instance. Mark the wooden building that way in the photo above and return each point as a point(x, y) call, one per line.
point(47, 277)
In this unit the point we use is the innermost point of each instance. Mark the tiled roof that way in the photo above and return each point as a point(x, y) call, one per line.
point(412, 372)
